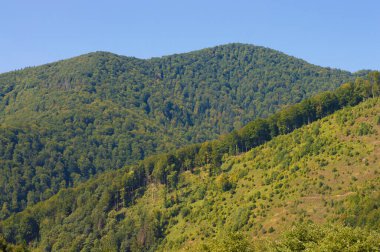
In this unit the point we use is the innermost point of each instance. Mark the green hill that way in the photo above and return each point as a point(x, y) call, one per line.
point(324, 172)
point(64, 122)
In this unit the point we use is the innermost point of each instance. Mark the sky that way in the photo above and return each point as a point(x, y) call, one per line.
point(341, 34)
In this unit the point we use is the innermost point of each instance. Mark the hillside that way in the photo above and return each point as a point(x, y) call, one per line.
point(65, 122)
point(324, 172)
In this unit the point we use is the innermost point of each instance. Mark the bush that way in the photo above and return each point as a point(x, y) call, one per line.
point(365, 129)
point(185, 211)
point(311, 237)
point(223, 183)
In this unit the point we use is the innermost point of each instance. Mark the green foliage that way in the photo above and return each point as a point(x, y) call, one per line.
point(229, 242)
point(261, 193)
point(65, 122)
point(365, 129)
point(362, 210)
point(28, 229)
point(103, 112)
point(6, 247)
point(223, 182)
point(311, 237)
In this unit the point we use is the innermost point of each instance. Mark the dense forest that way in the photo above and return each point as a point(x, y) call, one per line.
point(297, 165)
point(65, 122)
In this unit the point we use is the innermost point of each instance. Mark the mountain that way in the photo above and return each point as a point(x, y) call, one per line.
point(65, 122)
point(200, 197)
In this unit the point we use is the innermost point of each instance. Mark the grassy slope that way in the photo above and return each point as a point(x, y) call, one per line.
point(310, 174)
point(300, 176)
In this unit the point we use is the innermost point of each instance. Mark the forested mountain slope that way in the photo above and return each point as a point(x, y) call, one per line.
point(64, 122)
point(324, 172)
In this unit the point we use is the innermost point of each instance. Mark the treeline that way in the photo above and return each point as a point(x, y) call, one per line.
point(165, 169)
point(302, 237)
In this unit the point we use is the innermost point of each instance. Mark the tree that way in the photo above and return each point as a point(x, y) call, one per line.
point(362, 88)
point(28, 229)
point(374, 78)
point(230, 242)
point(255, 133)
point(223, 182)
point(4, 211)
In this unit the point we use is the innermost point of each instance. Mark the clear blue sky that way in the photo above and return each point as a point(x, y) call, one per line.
point(334, 33)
